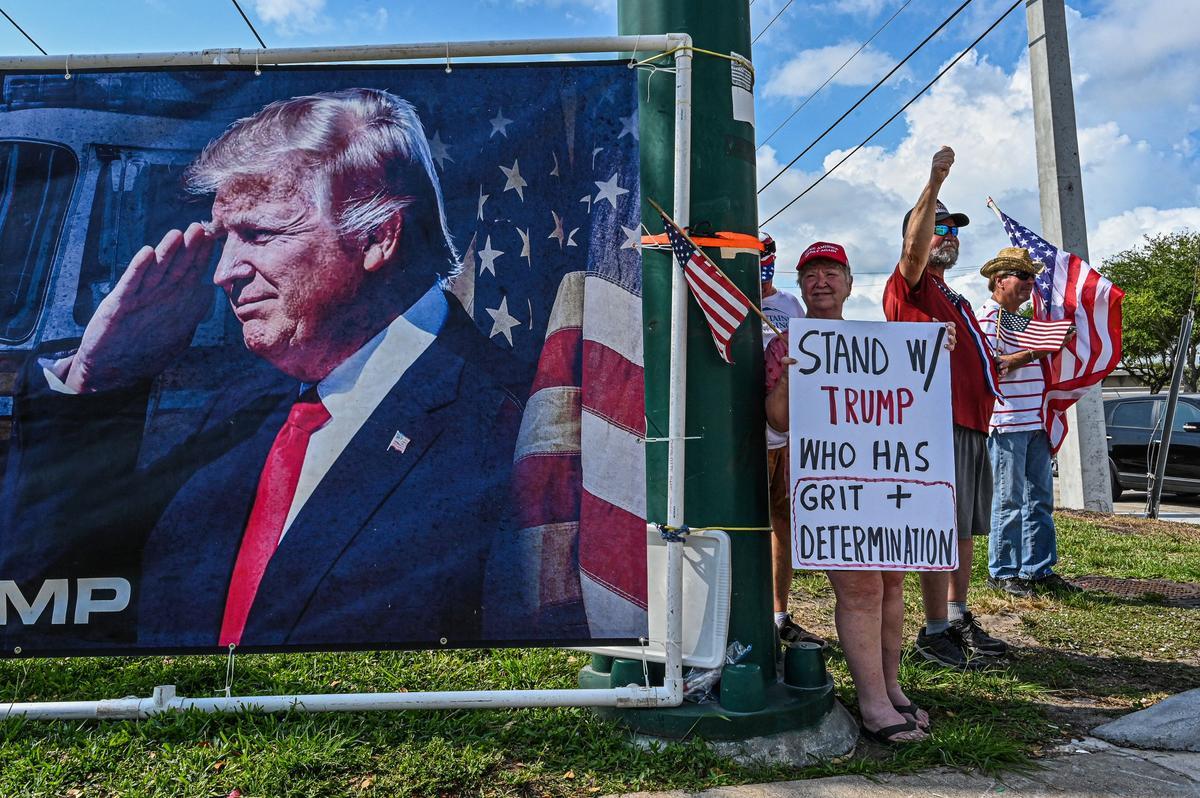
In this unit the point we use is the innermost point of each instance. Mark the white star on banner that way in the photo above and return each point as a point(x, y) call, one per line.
point(629, 127)
point(609, 190)
point(554, 171)
point(502, 321)
point(482, 199)
point(633, 238)
point(524, 234)
point(571, 237)
point(558, 230)
point(500, 124)
point(487, 257)
point(596, 152)
point(514, 181)
point(439, 151)
point(588, 199)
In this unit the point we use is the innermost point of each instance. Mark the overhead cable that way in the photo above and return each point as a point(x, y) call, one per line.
point(862, 47)
point(772, 22)
point(22, 30)
point(903, 108)
point(250, 25)
point(863, 99)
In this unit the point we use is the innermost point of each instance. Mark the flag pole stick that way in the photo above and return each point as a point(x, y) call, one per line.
point(991, 203)
point(688, 238)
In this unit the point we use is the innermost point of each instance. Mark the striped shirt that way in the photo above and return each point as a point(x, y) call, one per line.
point(1022, 388)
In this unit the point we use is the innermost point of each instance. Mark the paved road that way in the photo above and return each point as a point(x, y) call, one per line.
point(1185, 509)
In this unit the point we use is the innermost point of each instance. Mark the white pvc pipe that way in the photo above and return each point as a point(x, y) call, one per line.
point(236, 56)
point(164, 698)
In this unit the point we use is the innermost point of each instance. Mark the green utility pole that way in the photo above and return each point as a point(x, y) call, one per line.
point(725, 482)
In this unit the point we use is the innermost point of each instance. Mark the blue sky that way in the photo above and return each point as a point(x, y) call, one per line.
point(1136, 65)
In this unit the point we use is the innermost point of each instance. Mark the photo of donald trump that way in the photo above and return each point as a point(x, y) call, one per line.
point(346, 492)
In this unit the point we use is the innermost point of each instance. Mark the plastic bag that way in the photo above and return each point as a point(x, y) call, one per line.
point(698, 683)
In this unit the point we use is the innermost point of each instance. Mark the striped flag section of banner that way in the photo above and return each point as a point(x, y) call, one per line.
point(725, 307)
point(1034, 334)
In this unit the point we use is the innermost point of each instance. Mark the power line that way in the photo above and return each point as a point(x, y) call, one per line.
point(772, 22)
point(22, 30)
point(831, 77)
point(250, 25)
point(863, 99)
point(903, 108)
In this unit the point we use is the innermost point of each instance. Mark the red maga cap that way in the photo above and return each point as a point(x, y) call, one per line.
point(823, 250)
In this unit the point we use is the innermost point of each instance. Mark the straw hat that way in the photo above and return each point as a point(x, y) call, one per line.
point(1011, 259)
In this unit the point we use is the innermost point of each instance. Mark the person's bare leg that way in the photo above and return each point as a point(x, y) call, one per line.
point(892, 617)
point(961, 577)
point(934, 587)
point(781, 560)
point(858, 614)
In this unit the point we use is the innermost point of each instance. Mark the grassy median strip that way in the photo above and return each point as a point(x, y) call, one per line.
point(1079, 659)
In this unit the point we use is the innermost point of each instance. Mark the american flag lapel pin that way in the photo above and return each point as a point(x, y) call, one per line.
point(399, 443)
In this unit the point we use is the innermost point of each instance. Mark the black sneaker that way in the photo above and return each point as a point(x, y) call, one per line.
point(1053, 583)
point(792, 632)
point(1014, 586)
point(946, 648)
point(977, 641)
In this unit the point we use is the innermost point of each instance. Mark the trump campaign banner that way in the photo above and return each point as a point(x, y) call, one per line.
point(872, 463)
point(320, 358)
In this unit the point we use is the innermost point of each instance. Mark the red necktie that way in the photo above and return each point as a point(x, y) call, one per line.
point(272, 502)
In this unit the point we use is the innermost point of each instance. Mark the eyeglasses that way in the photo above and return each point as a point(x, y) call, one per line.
point(1022, 276)
point(942, 229)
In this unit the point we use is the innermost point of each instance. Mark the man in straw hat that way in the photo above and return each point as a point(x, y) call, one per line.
point(917, 291)
point(1021, 546)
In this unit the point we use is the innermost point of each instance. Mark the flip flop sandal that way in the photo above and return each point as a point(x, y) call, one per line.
point(884, 736)
point(911, 710)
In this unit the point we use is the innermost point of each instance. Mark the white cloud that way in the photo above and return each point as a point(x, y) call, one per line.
point(289, 17)
point(867, 8)
point(1118, 233)
point(802, 74)
point(606, 7)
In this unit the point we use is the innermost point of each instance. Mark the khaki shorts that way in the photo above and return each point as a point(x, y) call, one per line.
point(777, 486)
point(972, 482)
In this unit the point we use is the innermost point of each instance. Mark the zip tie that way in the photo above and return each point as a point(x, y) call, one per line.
point(645, 665)
point(448, 69)
point(668, 440)
point(68, 68)
point(633, 55)
point(257, 71)
point(229, 672)
point(671, 533)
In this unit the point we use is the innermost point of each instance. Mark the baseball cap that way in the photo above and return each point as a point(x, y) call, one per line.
point(823, 250)
point(960, 219)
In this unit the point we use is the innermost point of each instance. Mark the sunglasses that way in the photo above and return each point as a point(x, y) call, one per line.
point(943, 229)
point(1022, 276)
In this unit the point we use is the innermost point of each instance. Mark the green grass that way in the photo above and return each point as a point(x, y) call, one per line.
point(1115, 653)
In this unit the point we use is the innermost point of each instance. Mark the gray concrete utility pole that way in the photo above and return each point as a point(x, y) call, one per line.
point(1083, 459)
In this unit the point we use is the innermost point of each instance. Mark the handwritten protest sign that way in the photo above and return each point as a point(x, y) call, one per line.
point(872, 454)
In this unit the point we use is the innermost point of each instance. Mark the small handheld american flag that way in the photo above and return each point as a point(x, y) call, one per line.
point(725, 306)
point(1039, 336)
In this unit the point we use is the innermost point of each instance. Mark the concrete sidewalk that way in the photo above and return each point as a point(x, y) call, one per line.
point(1080, 769)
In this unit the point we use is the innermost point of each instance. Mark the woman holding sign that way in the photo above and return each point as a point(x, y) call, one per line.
point(870, 605)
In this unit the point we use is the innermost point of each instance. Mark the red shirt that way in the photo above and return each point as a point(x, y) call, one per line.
point(969, 393)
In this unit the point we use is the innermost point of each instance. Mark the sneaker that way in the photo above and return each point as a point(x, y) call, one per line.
point(977, 641)
point(946, 648)
point(1014, 586)
point(1053, 583)
point(792, 632)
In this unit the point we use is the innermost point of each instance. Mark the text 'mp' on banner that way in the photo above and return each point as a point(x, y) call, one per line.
point(871, 446)
point(322, 358)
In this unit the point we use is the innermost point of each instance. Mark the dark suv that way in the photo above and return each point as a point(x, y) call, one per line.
point(1134, 432)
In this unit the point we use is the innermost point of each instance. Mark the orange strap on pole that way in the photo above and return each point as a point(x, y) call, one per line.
point(721, 239)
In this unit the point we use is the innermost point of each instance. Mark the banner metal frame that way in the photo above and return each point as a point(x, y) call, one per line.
point(670, 694)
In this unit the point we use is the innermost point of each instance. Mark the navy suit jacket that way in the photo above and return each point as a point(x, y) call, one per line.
point(388, 551)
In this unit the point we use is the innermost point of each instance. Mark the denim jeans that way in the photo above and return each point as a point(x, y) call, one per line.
point(1022, 540)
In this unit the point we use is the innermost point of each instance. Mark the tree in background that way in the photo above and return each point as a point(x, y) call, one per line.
point(1158, 279)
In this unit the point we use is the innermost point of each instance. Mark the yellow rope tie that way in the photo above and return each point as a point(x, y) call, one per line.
point(735, 58)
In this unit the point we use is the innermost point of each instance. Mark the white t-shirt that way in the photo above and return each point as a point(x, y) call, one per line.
point(779, 307)
point(1021, 388)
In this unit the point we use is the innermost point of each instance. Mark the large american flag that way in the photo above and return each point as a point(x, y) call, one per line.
point(551, 225)
point(1070, 289)
point(724, 305)
point(1039, 336)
